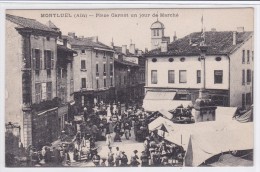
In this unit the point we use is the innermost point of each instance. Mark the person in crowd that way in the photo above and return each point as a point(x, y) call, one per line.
point(56, 156)
point(96, 158)
point(144, 159)
point(134, 159)
point(124, 159)
point(117, 157)
point(117, 130)
point(152, 153)
point(103, 163)
point(157, 158)
point(165, 160)
point(110, 158)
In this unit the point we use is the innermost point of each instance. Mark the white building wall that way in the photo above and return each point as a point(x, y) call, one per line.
point(236, 67)
point(13, 76)
point(191, 65)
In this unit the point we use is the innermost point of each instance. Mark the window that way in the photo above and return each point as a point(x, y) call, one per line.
point(154, 76)
point(105, 82)
point(183, 76)
point(49, 90)
point(111, 69)
point(248, 56)
point(243, 77)
point(243, 101)
point(124, 79)
point(83, 51)
point(171, 76)
point(83, 64)
point(154, 32)
point(104, 69)
point(248, 98)
point(243, 56)
point(83, 82)
point(38, 92)
point(48, 73)
point(218, 76)
point(111, 81)
point(43, 91)
point(157, 32)
point(48, 38)
point(97, 70)
point(248, 75)
point(48, 59)
point(182, 59)
point(96, 53)
point(154, 60)
point(82, 100)
point(171, 59)
point(218, 59)
point(252, 55)
point(71, 86)
point(198, 76)
point(97, 84)
point(104, 55)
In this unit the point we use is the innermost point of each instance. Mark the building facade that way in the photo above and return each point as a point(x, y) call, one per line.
point(31, 56)
point(129, 73)
point(93, 71)
point(228, 67)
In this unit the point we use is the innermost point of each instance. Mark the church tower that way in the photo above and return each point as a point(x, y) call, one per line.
point(157, 34)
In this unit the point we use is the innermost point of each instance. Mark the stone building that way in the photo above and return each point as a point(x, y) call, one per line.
point(93, 71)
point(31, 57)
point(229, 66)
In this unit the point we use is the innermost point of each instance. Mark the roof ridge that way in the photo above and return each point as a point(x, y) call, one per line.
point(10, 15)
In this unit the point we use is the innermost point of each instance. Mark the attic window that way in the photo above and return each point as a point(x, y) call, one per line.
point(48, 38)
point(83, 51)
point(171, 59)
point(218, 59)
point(182, 59)
point(154, 60)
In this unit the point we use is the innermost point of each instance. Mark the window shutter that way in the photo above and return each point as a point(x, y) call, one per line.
point(52, 60)
point(41, 67)
point(33, 58)
point(45, 59)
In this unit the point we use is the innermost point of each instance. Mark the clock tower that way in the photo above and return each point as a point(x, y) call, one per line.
point(157, 34)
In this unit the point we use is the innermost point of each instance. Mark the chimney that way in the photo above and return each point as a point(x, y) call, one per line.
point(139, 52)
point(72, 34)
point(213, 29)
point(164, 46)
point(124, 47)
point(240, 29)
point(94, 38)
point(234, 37)
point(132, 48)
point(112, 43)
point(146, 50)
point(65, 42)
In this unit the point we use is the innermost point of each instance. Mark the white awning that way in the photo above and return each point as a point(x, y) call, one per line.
point(160, 95)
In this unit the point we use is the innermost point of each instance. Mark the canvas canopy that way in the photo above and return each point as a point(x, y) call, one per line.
point(202, 146)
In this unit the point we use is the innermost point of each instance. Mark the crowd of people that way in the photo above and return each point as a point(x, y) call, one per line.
point(109, 123)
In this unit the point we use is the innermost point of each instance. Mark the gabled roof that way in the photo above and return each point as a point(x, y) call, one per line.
point(28, 23)
point(87, 42)
point(219, 43)
point(51, 25)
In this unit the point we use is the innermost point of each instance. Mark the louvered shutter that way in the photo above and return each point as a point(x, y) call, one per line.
point(41, 65)
point(33, 58)
point(45, 59)
point(52, 60)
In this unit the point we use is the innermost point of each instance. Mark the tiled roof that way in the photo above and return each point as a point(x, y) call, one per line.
point(66, 49)
point(219, 43)
point(88, 42)
point(126, 62)
point(28, 23)
point(51, 25)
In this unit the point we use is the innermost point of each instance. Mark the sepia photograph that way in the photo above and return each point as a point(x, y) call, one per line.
point(137, 87)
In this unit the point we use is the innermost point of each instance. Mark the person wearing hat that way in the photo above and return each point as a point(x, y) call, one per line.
point(134, 159)
point(110, 158)
point(157, 157)
point(124, 159)
point(117, 157)
point(165, 160)
point(144, 158)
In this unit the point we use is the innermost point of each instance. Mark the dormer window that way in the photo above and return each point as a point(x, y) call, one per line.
point(182, 59)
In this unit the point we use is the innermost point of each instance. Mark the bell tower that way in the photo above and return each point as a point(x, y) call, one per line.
point(157, 34)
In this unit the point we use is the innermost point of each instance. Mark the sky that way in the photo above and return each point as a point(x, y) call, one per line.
point(126, 25)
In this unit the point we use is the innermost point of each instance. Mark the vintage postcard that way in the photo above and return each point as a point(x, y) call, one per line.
point(129, 87)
